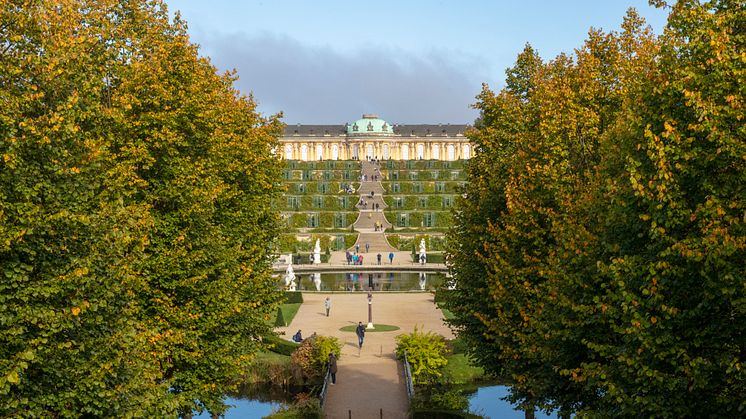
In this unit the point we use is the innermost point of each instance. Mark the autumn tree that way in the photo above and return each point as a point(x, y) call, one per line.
point(545, 268)
point(134, 214)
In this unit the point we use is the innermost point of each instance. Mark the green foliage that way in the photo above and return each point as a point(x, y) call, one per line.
point(279, 345)
point(602, 238)
point(293, 297)
point(313, 354)
point(426, 355)
point(376, 328)
point(135, 217)
point(304, 407)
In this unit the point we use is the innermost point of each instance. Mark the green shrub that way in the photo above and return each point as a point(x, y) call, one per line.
point(426, 353)
point(312, 355)
point(304, 407)
point(293, 297)
point(279, 345)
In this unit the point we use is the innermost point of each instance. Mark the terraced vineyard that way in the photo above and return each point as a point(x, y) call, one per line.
point(319, 202)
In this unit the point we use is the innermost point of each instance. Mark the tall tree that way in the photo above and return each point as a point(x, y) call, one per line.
point(135, 215)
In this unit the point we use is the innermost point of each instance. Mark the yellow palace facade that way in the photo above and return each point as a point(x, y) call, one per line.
point(372, 137)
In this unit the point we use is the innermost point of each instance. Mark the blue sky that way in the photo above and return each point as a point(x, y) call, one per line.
point(327, 62)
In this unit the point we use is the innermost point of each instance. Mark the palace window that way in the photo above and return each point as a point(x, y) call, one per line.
point(322, 187)
point(422, 202)
point(395, 187)
point(312, 220)
point(403, 220)
point(318, 201)
point(417, 187)
point(440, 187)
point(428, 219)
point(447, 201)
point(301, 187)
point(293, 202)
point(398, 202)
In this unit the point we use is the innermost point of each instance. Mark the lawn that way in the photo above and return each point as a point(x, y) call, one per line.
point(288, 312)
point(378, 328)
point(447, 314)
point(460, 371)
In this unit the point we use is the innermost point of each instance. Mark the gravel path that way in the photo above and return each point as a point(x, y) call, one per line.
point(370, 379)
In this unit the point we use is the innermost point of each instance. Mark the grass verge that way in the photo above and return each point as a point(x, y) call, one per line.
point(378, 328)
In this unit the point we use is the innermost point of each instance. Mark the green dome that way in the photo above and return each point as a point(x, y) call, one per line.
point(370, 125)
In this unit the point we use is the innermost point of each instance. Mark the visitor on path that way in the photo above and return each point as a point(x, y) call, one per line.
point(348, 256)
point(367, 247)
point(360, 259)
point(333, 367)
point(327, 305)
point(357, 248)
point(379, 258)
point(360, 332)
point(391, 258)
point(298, 337)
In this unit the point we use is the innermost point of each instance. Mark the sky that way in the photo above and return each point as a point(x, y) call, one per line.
point(408, 61)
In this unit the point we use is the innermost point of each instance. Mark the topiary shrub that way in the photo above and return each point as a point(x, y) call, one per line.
point(426, 353)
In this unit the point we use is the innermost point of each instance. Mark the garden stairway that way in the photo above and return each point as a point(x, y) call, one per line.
point(370, 215)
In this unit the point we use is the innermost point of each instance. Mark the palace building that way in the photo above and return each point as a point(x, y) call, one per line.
point(372, 137)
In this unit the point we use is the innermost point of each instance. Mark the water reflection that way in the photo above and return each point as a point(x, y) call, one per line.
point(377, 281)
point(487, 401)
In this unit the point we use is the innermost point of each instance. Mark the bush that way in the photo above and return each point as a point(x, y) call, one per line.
point(426, 353)
point(304, 407)
point(312, 355)
point(293, 297)
point(279, 345)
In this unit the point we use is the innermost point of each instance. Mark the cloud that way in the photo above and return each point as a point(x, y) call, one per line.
point(317, 84)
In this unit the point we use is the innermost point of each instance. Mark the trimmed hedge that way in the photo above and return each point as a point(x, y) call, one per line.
point(279, 345)
point(293, 297)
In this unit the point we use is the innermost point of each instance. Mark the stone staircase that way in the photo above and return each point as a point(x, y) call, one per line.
point(369, 216)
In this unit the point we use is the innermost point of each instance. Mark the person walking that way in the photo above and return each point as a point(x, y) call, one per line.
point(360, 332)
point(357, 248)
point(391, 258)
point(379, 258)
point(367, 247)
point(327, 305)
point(333, 367)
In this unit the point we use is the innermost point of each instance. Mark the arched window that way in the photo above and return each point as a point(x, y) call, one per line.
point(304, 152)
point(335, 152)
point(420, 151)
point(451, 152)
point(288, 152)
point(369, 151)
point(405, 152)
point(385, 151)
point(319, 152)
point(436, 152)
point(467, 151)
point(355, 151)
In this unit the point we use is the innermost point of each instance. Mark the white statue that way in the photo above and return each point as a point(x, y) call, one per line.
point(317, 253)
point(290, 278)
point(423, 254)
point(316, 280)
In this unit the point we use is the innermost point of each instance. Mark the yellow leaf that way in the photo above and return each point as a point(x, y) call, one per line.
point(75, 311)
point(13, 378)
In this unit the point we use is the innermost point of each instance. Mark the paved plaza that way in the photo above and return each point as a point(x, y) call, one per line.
point(370, 379)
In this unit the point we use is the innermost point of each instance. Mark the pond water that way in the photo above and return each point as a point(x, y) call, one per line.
point(487, 401)
point(378, 281)
point(245, 408)
point(257, 401)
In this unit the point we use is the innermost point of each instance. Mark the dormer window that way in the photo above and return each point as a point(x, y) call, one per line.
point(354, 127)
point(385, 127)
point(428, 131)
point(370, 126)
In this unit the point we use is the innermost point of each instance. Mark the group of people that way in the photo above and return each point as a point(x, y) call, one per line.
point(378, 226)
point(353, 259)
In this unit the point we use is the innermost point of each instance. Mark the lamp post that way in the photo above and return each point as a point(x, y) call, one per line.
point(370, 310)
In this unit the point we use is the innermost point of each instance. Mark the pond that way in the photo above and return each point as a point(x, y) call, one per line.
point(257, 401)
point(487, 401)
point(378, 281)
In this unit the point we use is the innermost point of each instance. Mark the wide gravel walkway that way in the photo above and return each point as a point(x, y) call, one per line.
point(370, 379)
